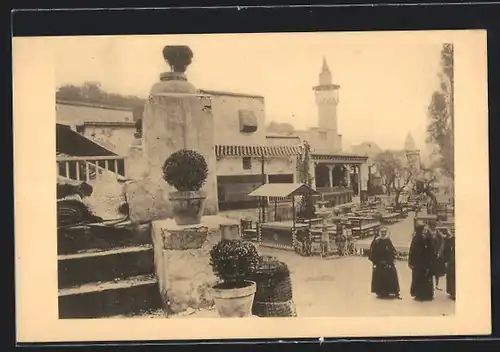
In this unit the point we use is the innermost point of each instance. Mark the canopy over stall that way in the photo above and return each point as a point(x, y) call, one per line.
point(280, 191)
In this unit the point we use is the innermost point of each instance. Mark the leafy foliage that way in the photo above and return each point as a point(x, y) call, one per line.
point(91, 92)
point(425, 185)
point(233, 260)
point(281, 128)
point(186, 170)
point(440, 127)
point(395, 171)
point(306, 209)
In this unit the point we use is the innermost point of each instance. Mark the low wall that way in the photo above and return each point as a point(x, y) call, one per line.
point(182, 262)
point(284, 211)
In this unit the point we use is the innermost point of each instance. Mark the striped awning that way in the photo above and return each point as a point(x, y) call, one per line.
point(257, 150)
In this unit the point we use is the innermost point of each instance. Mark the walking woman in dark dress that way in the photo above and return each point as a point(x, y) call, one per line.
point(421, 260)
point(439, 264)
point(449, 258)
point(385, 282)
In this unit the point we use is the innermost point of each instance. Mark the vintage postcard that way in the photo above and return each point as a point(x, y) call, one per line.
point(319, 184)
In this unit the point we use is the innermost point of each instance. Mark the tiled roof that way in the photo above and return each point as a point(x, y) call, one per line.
point(338, 156)
point(109, 123)
point(257, 150)
point(92, 105)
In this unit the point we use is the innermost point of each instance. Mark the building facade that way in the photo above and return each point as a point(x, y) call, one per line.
point(111, 126)
point(246, 157)
point(115, 136)
point(338, 175)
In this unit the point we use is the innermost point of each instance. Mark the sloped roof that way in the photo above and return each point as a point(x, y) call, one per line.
point(282, 190)
point(73, 143)
point(256, 150)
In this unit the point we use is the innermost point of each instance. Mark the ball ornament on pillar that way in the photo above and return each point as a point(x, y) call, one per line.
point(178, 57)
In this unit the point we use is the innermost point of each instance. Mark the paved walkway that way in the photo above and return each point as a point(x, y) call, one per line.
point(341, 287)
point(400, 233)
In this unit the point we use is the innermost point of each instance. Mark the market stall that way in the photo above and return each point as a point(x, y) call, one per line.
point(282, 234)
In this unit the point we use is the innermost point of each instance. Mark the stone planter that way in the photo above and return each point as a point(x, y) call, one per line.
point(234, 302)
point(187, 207)
point(230, 231)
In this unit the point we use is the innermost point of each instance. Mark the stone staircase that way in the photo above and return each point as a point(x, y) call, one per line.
point(105, 272)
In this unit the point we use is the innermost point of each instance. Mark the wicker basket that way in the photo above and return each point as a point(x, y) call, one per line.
point(274, 309)
point(273, 297)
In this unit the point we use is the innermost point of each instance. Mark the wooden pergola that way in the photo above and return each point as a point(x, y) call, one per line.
point(281, 229)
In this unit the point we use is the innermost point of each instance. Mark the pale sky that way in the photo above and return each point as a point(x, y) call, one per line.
point(386, 79)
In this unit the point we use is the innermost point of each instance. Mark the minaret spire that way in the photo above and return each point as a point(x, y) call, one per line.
point(325, 67)
point(325, 76)
point(410, 145)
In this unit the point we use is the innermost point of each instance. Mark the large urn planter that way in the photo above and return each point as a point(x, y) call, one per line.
point(187, 206)
point(233, 262)
point(186, 170)
point(234, 302)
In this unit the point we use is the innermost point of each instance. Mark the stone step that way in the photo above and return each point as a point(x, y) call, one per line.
point(92, 266)
point(102, 237)
point(131, 296)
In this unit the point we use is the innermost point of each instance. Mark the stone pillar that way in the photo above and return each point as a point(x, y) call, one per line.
point(135, 163)
point(230, 231)
point(175, 117)
point(358, 172)
point(347, 176)
point(330, 176)
point(182, 262)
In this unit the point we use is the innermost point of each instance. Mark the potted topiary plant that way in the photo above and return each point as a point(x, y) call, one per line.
point(233, 262)
point(186, 170)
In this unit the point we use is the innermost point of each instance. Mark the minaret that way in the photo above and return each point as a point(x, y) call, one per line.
point(327, 99)
point(412, 152)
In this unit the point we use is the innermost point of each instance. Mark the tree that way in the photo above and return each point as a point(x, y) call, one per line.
point(91, 92)
point(282, 128)
point(306, 209)
point(440, 126)
point(395, 172)
point(425, 184)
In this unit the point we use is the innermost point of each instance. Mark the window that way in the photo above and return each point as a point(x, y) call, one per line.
point(248, 121)
point(247, 163)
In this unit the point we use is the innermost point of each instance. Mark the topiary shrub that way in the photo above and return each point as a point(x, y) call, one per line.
point(186, 170)
point(233, 262)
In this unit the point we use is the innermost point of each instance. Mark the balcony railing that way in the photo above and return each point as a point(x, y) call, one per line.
point(89, 168)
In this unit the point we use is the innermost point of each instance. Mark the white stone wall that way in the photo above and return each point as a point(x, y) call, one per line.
point(280, 141)
point(321, 140)
point(226, 121)
point(73, 115)
point(230, 166)
point(116, 139)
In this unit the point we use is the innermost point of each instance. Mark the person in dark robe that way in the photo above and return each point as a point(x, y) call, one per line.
point(421, 258)
point(439, 264)
point(385, 282)
point(449, 259)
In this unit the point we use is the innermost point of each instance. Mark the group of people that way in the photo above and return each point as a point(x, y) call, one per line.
point(431, 257)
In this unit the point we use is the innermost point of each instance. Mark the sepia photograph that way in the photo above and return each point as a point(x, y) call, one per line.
point(298, 175)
